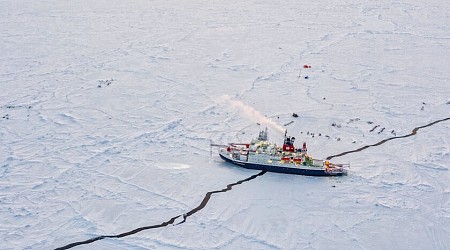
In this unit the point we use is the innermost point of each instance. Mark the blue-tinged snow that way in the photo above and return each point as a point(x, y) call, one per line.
point(108, 108)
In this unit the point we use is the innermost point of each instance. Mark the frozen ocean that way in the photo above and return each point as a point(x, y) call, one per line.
point(108, 110)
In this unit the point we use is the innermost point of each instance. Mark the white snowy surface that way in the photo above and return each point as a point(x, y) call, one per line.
point(107, 110)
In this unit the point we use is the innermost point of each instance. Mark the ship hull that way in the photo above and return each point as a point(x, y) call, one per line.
point(281, 169)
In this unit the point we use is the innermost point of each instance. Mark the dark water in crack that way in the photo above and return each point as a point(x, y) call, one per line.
point(413, 132)
point(169, 222)
point(228, 188)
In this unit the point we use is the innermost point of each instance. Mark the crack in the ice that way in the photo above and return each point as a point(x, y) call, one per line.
point(413, 132)
point(166, 223)
point(228, 188)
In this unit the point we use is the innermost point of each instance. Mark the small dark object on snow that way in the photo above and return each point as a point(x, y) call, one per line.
point(374, 128)
point(294, 115)
point(306, 77)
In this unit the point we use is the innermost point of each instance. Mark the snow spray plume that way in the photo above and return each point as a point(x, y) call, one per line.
point(254, 115)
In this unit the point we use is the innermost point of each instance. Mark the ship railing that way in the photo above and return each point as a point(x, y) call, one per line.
point(341, 165)
point(337, 168)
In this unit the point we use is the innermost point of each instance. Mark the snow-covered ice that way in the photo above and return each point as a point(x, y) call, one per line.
point(108, 109)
